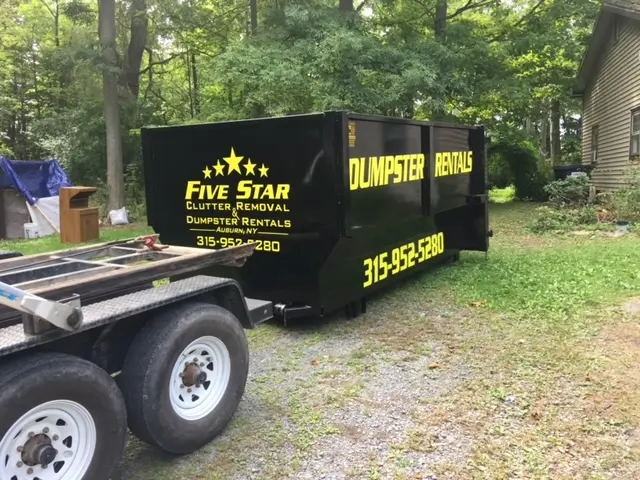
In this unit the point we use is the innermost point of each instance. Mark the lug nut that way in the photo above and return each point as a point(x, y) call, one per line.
point(188, 390)
point(44, 465)
point(45, 430)
point(55, 437)
point(19, 464)
point(31, 434)
point(202, 364)
point(29, 471)
point(209, 359)
point(195, 360)
point(182, 385)
point(20, 448)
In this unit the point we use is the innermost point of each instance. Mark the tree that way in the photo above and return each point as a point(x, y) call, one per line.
point(115, 171)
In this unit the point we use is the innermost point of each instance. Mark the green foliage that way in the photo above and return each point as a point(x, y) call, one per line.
point(542, 284)
point(563, 219)
point(572, 191)
point(517, 161)
point(502, 195)
point(625, 202)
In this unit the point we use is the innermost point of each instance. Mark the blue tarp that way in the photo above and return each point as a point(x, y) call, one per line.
point(34, 179)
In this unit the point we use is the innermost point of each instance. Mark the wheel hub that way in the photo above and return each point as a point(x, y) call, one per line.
point(199, 378)
point(38, 451)
point(192, 375)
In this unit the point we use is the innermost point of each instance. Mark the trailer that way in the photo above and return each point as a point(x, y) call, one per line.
point(338, 204)
point(94, 340)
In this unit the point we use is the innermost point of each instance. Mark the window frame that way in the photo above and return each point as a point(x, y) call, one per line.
point(595, 143)
point(634, 133)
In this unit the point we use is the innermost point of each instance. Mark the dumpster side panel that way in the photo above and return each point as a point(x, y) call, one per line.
point(386, 209)
point(404, 211)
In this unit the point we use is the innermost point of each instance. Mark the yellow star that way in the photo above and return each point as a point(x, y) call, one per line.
point(263, 170)
point(250, 167)
point(207, 172)
point(234, 162)
point(219, 168)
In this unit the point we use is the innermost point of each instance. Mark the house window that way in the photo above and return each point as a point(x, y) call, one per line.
point(635, 133)
point(595, 140)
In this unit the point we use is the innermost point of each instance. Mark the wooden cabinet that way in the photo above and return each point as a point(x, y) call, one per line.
point(79, 223)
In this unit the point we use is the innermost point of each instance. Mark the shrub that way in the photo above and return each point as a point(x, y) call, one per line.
point(516, 161)
point(625, 202)
point(572, 191)
point(550, 219)
point(502, 195)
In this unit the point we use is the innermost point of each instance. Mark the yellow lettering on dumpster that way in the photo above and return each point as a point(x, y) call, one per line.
point(371, 172)
point(399, 259)
point(236, 200)
point(453, 163)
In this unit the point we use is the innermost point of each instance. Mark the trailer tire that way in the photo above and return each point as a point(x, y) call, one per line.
point(65, 414)
point(175, 349)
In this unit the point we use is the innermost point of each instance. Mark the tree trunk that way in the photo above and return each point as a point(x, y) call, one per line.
point(555, 132)
point(196, 85)
point(56, 23)
point(253, 7)
point(544, 136)
point(440, 27)
point(440, 32)
point(107, 33)
point(137, 43)
point(528, 126)
point(346, 6)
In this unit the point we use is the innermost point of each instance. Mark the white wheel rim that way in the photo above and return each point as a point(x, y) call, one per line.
point(69, 428)
point(195, 401)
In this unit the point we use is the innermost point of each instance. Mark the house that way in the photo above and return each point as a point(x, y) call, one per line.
point(609, 84)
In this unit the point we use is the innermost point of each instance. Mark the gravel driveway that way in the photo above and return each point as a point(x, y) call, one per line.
point(336, 399)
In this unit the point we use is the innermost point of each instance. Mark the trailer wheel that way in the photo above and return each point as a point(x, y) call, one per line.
point(184, 376)
point(63, 418)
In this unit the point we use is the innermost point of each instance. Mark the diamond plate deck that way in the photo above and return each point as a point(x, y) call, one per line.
point(13, 338)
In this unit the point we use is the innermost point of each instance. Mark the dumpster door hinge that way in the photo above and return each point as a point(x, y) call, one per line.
point(475, 199)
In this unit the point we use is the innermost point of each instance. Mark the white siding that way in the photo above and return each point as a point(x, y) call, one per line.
point(608, 101)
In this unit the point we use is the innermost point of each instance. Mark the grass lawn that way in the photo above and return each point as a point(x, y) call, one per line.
point(52, 242)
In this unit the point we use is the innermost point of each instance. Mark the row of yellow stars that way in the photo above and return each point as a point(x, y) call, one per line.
point(233, 162)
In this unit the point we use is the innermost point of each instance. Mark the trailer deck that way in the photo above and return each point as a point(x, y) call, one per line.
point(99, 278)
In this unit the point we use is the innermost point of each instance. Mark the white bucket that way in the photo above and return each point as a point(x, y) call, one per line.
point(31, 230)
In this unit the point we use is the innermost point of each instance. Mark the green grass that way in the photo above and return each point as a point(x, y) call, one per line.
point(546, 282)
point(52, 242)
point(502, 195)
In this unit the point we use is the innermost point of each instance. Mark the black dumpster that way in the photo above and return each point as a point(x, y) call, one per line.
point(339, 204)
point(563, 171)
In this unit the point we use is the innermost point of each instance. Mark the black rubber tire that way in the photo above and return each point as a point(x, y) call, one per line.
point(35, 379)
point(147, 369)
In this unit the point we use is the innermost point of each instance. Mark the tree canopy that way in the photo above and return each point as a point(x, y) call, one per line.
point(506, 64)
